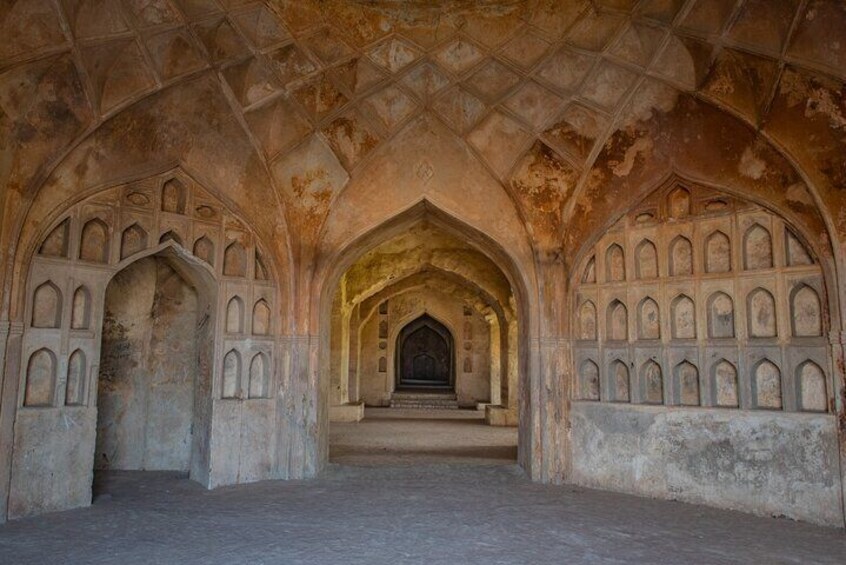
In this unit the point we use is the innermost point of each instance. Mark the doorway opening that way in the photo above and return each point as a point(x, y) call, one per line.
point(154, 381)
point(425, 358)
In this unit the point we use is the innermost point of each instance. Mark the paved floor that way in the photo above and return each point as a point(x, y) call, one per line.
point(396, 514)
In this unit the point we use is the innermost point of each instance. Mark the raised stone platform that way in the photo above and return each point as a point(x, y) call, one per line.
point(501, 416)
point(353, 412)
point(427, 400)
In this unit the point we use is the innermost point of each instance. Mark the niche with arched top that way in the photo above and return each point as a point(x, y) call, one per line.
point(648, 320)
point(204, 249)
point(261, 318)
point(425, 355)
point(174, 196)
point(811, 387)
point(40, 379)
point(805, 312)
point(652, 382)
point(75, 384)
point(259, 377)
point(797, 254)
point(720, 316)
point(133, 239)
point(231, 381)
point(589, 387)
point(235, 260)
point(620, 383)
point(761, 313)
point(587, 321)
point(47, 306)
point(646, 260)
point(683, 317)
point(726, 393)
point(171, 235)
point(717, 253)
point(686, 384)
point(81, 310)
point(589, 275)
point(678, 203)
point(617, 322)
point(94, 241)
point(757, 248)
point(615, 264)
point(767, 385)
point(681, 257)
point(235, 315)
point(57, 243)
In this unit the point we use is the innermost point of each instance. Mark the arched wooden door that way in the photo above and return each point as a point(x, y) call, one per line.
point(425, 356)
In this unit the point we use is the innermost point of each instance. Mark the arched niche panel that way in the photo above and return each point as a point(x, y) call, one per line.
point(615, 264)
point(587, 320)
point(761, 313)
point(811, 387)
point(75, 384)
point(806, 312)
point(81, 310)
point(678, 203)
point(767, 385)
point(235, 315)
point(646, 260)
point(686, 384)
point(717, 253)
point(231, 375)
point(204, 249)
point(683, 317)
point(40, 379)
point(726, 394)
point(259, 376)
point(620, 381)
point(757, 248)
point(57, 242)
point(652, 381)
point(235, 260)
point(589, 388)
point(174, 196)
point(261, 318)
point(648, 320)
point(796, 254)
point(47, 306)
point(133, 239)
point(617, 322)
point(681, 257)
point(94, 241)
point(589, 274)
point(720, 316)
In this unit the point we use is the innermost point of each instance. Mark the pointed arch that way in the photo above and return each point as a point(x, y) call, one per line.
point(56, 244)
point(231, 381)
point(174, 196)
point(757, 248)
point(589, 387)
point(646, 260)
point(652, 382)
point(235, 315)
point(132, 240)
point(75, 383)
point(717, 253)
point(615, 264)
point(204, 249)
point(648, 319)
point(683, 317)
point(724, 384)
point(678, 203)
point(261, 318)
point(259, 377)
point(681, 257)
point(81, 310)
point(686, 384)
point(47, 306)
point(617, 322)
point(40, 378)
point(811, 387)
point(587, 321)
point(766, 385)
point(720, 315)
point(620, 382)
point(94, 241)
point(761, 313)
point(806, 312)
point(235, 260)
point(589, 274)
point(171, 235)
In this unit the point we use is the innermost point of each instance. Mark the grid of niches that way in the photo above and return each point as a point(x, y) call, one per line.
point(702, 300)
point(106, 232)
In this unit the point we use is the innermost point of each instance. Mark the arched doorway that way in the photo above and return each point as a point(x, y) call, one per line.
point(425, 356)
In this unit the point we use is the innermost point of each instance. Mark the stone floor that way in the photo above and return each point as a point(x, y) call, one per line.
point(409, 512)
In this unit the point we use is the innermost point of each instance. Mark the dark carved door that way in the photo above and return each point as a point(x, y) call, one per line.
point(424, 349)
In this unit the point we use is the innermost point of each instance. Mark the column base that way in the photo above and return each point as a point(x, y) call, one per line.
point(353, 412)
point(501, 416)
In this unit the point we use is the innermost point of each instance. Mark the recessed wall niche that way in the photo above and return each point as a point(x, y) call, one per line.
point(771, 299)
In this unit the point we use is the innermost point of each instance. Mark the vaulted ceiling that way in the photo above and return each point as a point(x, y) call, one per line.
point(574, 106)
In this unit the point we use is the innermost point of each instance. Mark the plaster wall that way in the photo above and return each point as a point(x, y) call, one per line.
point(766, 463)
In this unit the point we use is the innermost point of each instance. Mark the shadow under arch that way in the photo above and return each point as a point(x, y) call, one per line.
point(408, 327)
point(332, 268)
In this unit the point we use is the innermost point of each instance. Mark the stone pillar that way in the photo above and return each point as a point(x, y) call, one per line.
point(11, 341)
point(837, 339)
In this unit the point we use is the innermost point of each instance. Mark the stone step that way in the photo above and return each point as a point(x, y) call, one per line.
point(424, 400)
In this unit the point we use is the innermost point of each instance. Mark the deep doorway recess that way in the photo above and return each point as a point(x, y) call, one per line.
point(425, 356)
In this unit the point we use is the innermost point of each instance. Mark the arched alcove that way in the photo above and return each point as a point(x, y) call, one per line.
point(425, 355)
